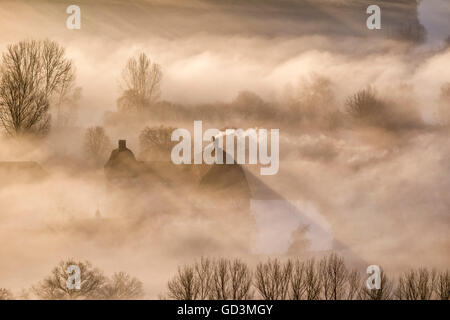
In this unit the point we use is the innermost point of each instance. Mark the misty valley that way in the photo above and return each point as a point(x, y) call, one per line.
point(224, 150)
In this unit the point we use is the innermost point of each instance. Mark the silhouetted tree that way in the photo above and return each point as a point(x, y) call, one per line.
point(312, 281)
point(353, 285)
point(33, 74)
point(364, 105)
point(204, 270)
point(328, 279)
point(272, 279)
point(231, 279)
point(333, 274)
point(121, 286)
point(54, 287)
point(416, 285)
point(221, 280)
point(184, 286)
point(141, 81)
point(297, 281)
point(241, 280)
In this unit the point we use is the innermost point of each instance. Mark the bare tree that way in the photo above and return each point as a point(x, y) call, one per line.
point(212, 279)
point(442, 286)
point(353, 285)
point(384, 293)
point(232, 279)
point(33, 75)
point(333, 274)
point(328, 279)
point(312, 281)
point(272, 279)
point(141, 84)
point(59, 75)
point(97, 144)
point(416, 285)
point(184, 286)
point(203, 271)
point(155, 143)
point(5, 294)
point(193, 282)
point(365, 105)
point(426, 283)
point(221, 280)
point(241, 280)
point(54, 287)
point(122, 286)
point(298, 279)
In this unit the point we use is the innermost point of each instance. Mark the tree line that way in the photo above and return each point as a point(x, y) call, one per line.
point(326, 279)
point(37, 77)
point(94, 285)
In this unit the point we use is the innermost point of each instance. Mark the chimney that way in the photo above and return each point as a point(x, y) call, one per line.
point(122, 144)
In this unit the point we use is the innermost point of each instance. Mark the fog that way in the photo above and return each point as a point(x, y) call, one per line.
point(378, 188)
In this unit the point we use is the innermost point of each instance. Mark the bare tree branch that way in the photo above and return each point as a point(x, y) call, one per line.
point(54, 287)
point(272, 279)
point(141, 84)
point(33, 73)
point(122, 286)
